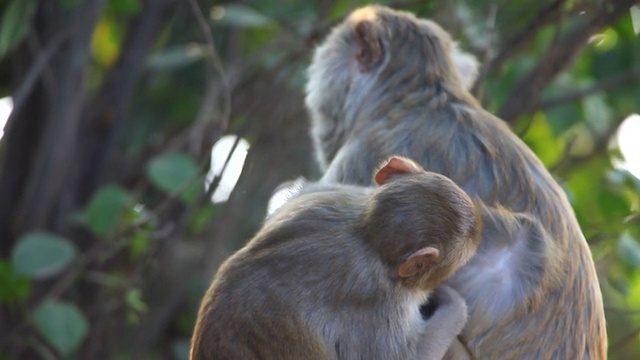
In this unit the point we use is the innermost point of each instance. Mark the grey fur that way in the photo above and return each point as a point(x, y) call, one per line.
point(319, 280)
point(545, 301)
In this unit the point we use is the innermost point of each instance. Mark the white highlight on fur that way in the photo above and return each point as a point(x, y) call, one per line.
point(284, 194)
point(363, 14)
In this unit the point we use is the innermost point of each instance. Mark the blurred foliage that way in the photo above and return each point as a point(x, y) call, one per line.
point(62, 324)
point(39, 255)
point(15, 21)
point(118, 264)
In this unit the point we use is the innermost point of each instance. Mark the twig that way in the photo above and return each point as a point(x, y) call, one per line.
point(616, 346)
point(107, 115)
point(566, 156)
point(26, 87)
point(80, 264)
point(216, 180)
point(518, 41)
point(601, 144)
point(214, 58)
point(61, 285)
point(622, 311)
point(629, 76)
point(527, 126)
point(526, 93)
point(490, 47)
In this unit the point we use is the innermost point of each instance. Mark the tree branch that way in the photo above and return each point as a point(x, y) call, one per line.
point(106, 117)
point(632, 75)
point(518, 41)
point(44, 190)
point(559, 56)
point(25, 88)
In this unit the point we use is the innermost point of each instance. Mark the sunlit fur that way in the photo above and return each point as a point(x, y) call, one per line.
point(532, 287)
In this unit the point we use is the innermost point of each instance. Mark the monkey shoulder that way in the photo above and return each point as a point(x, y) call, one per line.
point(311, 232)
point(515, 255)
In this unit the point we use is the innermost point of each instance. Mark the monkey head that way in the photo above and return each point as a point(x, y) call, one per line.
point(376, 57)
point(435, 221)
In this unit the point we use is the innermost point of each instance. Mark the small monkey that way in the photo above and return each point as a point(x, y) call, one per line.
point(346, 272)
point(385, 82)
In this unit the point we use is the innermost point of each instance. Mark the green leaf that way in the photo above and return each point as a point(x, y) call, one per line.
point(605, 40)
point(240, 16)
point(15, 288)
point(15, 23)
point(106, 210)
point(174, 172)
point(180, 349)
point(124, 7)
point(106, 42)
point(190, 195)
point(597, 113)
point(613, 205)
point(39, 254)
point(633, 294)
point(339, 9)
point(203, 216)
point(580, 140)
point(176, 57)
point(139, 244)
point(69, 4)
point(62, 324)
point(619, 283)
point(629, 250)
point(134, 300)
point(542, 141)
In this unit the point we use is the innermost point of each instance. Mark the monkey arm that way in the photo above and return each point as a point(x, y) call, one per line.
point(444, 325)
point(515, 255)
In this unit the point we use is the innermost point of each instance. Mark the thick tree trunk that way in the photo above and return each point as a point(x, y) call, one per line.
point(56, 147)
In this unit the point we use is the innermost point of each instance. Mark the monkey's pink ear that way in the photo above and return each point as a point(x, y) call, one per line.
point(369, 51)
point(418, 262)
point(395, 166)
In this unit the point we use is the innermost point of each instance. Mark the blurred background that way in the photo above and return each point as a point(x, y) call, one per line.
point(142, 138)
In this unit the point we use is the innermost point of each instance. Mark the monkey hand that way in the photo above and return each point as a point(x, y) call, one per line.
point(451, 309)
point(443, 326)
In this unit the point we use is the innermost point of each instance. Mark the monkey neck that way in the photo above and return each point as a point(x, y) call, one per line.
point(399, 95)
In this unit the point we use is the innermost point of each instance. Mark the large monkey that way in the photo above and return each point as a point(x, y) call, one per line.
point(346, 272)
point(384, 83)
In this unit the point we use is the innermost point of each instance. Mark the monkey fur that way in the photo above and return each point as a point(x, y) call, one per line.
point(384, 83)
point(344, 272)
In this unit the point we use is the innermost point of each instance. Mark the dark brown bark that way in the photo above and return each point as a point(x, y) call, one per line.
point(44, 191)
point(107, 115)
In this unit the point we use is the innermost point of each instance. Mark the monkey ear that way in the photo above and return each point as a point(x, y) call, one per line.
point(419, 262)
point(369, 51)
point(395, 166)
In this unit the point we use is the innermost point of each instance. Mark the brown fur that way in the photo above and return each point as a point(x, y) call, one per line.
point(321, 279)
point(532, 288)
